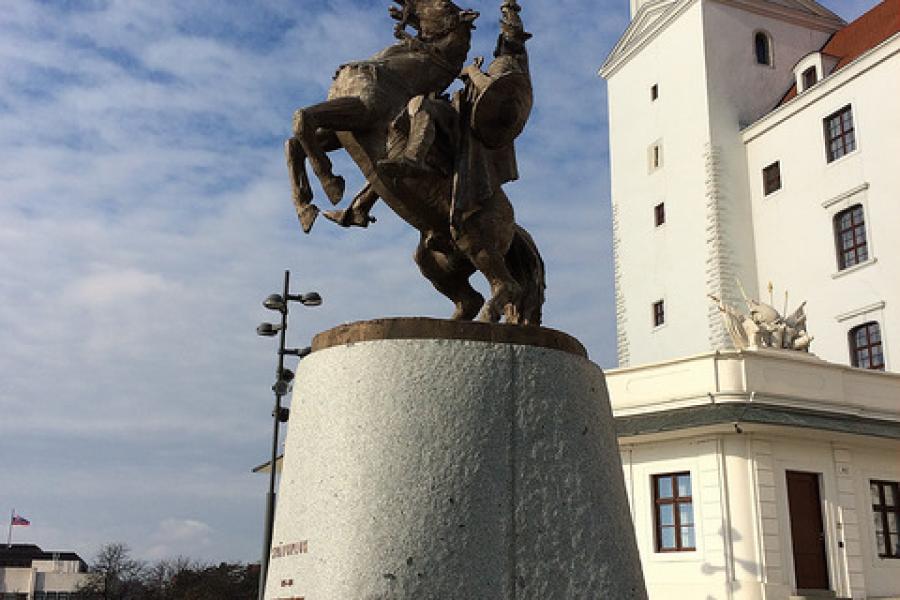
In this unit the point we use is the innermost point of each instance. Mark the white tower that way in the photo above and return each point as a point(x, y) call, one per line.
point(686, 77)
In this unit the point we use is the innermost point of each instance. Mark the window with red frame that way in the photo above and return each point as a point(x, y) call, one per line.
point(840, 137)
point(865, 347)
point(850, 237)
point(886, 515)
point(674, 512)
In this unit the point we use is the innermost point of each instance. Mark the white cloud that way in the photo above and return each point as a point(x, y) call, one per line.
point(179, 537)
point(110, 286)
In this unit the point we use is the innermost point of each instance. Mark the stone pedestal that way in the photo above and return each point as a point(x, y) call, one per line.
point(430, 459)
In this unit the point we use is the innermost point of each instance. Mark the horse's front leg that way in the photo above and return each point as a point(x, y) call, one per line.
point(339, 114)
point(301, 191)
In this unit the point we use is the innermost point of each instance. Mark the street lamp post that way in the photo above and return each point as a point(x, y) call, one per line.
point(281, 387)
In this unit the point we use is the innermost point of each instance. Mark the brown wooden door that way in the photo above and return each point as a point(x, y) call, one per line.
point(807, 531)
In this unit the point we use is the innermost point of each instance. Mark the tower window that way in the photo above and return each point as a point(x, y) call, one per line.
point(772, 178)
point(763, 46)
point(659, 214)
point(850, 237)
point(659, 313)
point(840, 136)
point(654, 91)
point(810, 77)
point(654, 156)
point(865, 347)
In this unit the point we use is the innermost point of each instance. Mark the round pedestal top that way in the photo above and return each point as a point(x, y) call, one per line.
point(421, 328)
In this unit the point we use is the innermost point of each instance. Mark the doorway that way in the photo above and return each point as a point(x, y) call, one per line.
point(807, 531)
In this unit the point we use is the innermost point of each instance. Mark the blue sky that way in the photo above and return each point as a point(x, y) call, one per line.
point(145, 212)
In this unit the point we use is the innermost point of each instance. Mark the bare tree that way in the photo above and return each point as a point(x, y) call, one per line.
point(114, 575)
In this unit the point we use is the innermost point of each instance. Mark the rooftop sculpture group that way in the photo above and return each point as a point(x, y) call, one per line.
point(438, 162)
point(764, 326)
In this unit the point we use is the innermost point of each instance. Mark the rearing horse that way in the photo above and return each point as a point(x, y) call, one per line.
point(362, 102)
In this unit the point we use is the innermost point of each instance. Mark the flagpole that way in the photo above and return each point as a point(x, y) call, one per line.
point(9, 535)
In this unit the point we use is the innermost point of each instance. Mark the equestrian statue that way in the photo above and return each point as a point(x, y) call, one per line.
point(438, 162)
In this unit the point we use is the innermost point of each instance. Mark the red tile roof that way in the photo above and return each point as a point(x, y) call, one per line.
point(863, 34)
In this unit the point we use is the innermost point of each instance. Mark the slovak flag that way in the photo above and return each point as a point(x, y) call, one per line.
point(20, 520)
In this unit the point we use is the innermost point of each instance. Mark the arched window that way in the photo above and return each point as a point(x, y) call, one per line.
point(865, 347)
point(763, 44)
point(850, 237)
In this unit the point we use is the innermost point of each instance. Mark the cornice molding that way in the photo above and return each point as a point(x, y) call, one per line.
point(844, 195)
point(822, 20)
point(650, 19)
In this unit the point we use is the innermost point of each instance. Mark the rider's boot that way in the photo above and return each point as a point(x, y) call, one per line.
point(357, 215)
point(412, 162)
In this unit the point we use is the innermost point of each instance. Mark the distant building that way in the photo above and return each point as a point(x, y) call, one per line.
point(29, 573)
point(758, 141)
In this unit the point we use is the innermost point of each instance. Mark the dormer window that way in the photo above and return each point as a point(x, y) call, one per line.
point(811, 69)
point(763, 45)
point(810, 77)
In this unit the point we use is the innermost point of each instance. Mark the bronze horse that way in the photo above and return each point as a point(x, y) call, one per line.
point(363, 103)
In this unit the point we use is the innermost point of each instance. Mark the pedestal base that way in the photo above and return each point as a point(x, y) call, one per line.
point(446, 467)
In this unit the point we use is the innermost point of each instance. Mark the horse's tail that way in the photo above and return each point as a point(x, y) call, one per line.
point(527, 267)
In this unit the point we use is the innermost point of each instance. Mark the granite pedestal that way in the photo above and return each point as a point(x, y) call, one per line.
point(430, 459)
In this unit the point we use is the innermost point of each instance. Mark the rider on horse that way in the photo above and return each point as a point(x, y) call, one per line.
point(476, 131)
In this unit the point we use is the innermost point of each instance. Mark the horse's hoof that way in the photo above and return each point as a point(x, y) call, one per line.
point(489, 314)
point(511, 314)
point(334, 188)
point(467, 309)
point(349, 218)
point(307, 214)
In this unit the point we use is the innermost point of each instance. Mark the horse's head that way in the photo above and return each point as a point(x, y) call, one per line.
point(434, 19)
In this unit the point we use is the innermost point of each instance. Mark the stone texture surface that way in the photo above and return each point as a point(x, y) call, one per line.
point(448, 468)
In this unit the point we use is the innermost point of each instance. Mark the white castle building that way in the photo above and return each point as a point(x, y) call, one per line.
point(758, 141)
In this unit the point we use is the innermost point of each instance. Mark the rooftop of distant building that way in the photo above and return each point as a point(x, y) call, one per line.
point(23, 555)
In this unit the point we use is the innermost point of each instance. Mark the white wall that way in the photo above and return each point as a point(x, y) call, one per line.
point(13, 579)
point(724, 565)
point(741, 510)
point(661, 263)
point(795, 245)
point(703, 62)
point(882, 575)
point(740, 91)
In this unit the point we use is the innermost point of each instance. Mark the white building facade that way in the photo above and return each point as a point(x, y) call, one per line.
point(697, 118)
point(29, 573)
point(756, 143)
point(761, 475)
